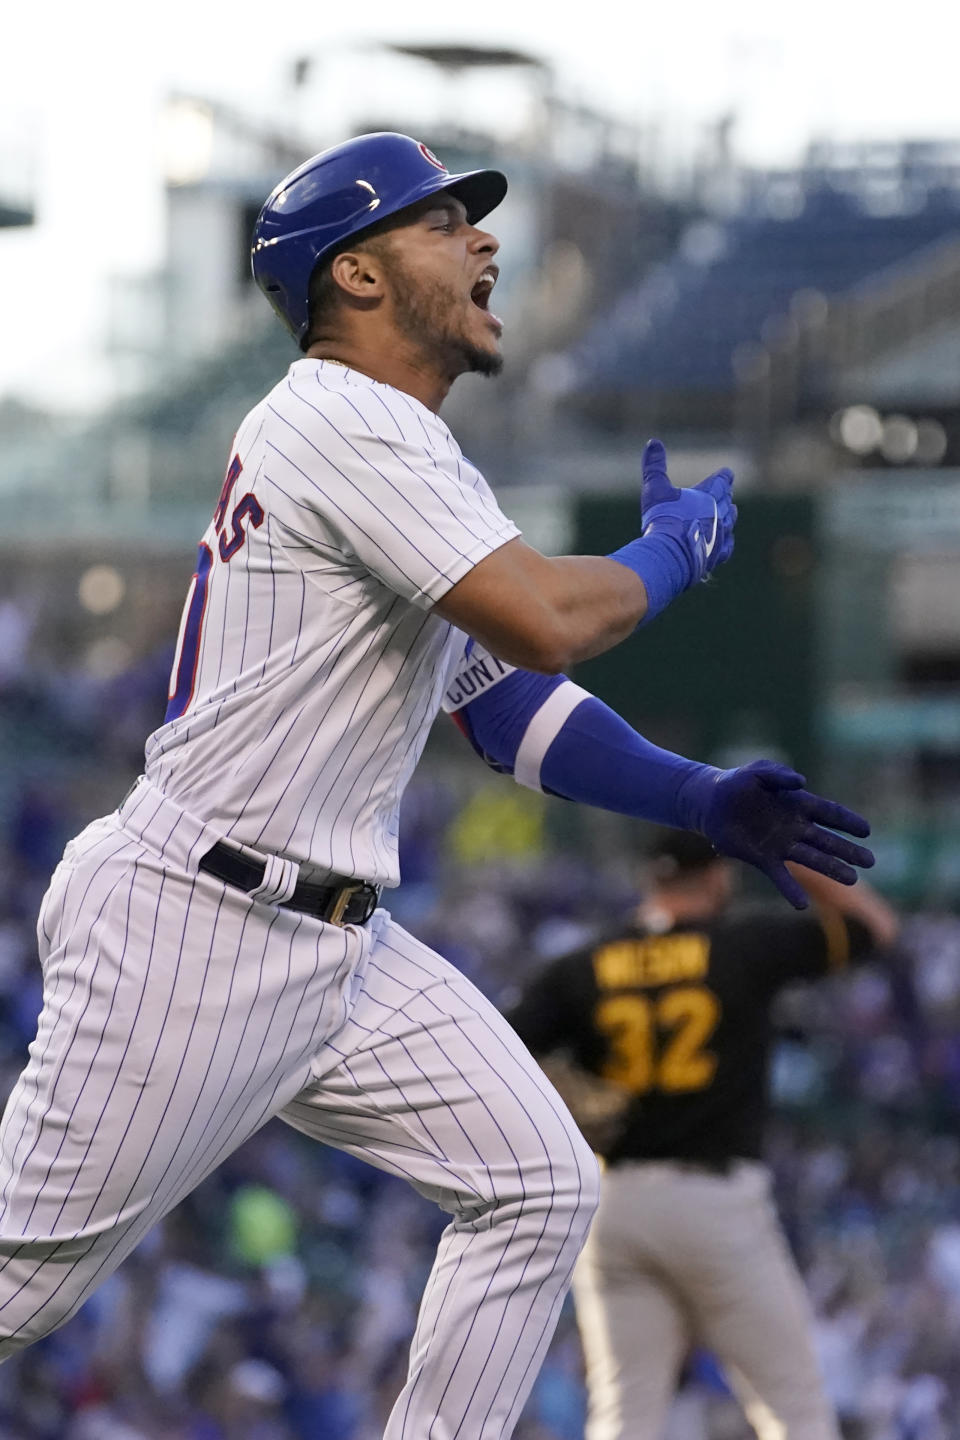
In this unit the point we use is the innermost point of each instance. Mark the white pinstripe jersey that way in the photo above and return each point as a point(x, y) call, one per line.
point(309, 667)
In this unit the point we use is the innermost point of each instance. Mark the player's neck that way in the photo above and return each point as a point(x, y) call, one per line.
point(390, 365)
point(661, 912)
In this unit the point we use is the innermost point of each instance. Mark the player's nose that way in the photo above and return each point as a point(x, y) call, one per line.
point(483, 243)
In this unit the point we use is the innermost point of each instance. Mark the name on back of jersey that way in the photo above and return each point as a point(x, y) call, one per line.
point(651, 960)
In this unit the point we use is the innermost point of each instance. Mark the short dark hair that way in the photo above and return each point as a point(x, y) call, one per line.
point(322, 299)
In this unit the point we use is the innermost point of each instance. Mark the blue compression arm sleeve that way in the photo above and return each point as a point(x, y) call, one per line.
point(598, 759)
point(553, 736)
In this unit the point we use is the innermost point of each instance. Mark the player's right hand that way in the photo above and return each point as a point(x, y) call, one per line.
point(701, 518)
point(761, 813)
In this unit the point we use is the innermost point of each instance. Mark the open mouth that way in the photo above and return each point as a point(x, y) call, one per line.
point(481, 292)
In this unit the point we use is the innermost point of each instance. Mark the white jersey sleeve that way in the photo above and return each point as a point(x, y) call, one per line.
point(376, 476)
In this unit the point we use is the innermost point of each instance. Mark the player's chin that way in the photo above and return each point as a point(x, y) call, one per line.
point(482, 354)
point(485, 362)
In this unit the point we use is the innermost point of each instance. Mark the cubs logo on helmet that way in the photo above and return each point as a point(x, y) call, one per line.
point(428, 154)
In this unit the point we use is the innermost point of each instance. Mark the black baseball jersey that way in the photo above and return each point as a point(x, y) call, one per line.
point(682, 1020)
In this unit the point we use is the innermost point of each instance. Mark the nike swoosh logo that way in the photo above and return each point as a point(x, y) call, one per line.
point(716, 528)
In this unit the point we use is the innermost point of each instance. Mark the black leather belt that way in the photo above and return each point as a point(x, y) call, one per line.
point(712, 1165)
point(340, 901)
point(715, 1165)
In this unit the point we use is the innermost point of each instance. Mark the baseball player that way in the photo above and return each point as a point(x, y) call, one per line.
point(659, 1036)
point(214, 952)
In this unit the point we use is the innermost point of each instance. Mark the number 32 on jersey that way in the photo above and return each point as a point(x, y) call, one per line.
point(660, 1043)
point(246, 512)
point(657, 1041)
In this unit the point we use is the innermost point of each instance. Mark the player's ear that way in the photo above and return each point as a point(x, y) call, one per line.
point(359, 275)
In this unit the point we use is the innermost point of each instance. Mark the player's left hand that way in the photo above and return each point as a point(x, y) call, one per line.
point(762, 814)
point(700, 518)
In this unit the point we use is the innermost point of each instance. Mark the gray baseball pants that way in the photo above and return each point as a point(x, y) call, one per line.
point(679, 1257)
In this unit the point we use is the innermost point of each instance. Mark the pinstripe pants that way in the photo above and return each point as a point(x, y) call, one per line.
point(180, 1015)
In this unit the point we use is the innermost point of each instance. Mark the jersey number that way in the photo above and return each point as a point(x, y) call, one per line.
point(660, 1044)
point(184, 674)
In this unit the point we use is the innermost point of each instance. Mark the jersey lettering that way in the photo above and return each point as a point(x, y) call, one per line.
point(249, 507)
point(478, 671)
point(660, 1043)
point(183, 676)
point(230, 480)
point(652, 960)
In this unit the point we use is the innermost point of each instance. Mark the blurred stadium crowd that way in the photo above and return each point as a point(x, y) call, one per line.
point(277, 1303)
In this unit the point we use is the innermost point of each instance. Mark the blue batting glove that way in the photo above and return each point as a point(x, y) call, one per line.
point(761, 813)
point(686, 533)
point(700, 519)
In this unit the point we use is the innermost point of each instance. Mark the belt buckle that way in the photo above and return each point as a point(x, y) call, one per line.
point(339, 909)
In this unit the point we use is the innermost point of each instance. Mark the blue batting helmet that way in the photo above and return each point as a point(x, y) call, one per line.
point(340, 192)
